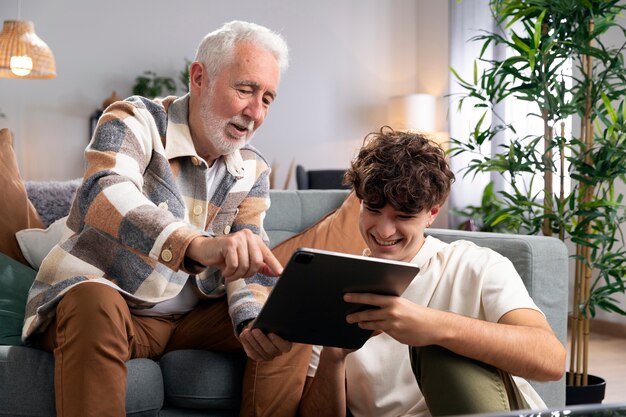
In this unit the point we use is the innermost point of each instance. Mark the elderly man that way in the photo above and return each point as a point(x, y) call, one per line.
point(164, 246)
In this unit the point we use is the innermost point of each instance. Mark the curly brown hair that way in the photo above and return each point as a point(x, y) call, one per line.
point(404, 169)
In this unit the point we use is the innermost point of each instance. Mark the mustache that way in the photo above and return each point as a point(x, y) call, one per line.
point(243, 121)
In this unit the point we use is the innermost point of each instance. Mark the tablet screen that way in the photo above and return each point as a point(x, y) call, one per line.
point(306, 305)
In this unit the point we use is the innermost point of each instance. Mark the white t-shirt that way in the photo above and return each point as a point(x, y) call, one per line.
point(459, 277)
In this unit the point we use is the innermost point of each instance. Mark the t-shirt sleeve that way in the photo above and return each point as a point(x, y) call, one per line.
point(503, 289)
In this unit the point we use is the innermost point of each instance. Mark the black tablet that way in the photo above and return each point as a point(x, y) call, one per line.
point(306, 305)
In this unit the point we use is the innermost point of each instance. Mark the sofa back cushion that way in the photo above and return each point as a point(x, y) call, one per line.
point(313, 219)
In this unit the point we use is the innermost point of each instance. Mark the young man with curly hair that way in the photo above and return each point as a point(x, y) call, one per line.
point(473, 332)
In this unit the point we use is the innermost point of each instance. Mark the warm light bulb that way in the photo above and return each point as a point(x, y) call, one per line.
point(21, 65)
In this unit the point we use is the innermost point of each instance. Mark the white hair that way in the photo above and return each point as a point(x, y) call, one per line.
point(217, 48)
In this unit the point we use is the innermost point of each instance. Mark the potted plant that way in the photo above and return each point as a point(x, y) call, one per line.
point(543, 36)
point(480, 217)
point(183, 76)
point(151, 85)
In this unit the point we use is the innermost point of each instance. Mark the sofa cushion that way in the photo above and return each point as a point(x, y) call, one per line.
point(144, 388)
point(338, 231)
point(37, 243)
point(16, 211)
point(199, 379)
point(178, 412)
point(15, 280)
point(31, 375)
point(52, 199)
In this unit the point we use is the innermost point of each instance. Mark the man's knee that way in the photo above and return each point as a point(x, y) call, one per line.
point(453, 384)
point(90, 303)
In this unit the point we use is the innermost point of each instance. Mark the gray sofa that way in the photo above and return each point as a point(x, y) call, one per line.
point(199, 383)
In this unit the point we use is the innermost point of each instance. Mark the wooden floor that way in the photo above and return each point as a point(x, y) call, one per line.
point(607, 359)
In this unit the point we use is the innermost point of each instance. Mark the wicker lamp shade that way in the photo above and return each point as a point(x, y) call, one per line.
point(23, 54)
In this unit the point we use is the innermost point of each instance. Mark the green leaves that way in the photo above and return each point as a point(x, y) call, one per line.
point(150, 85)
point(543, 37)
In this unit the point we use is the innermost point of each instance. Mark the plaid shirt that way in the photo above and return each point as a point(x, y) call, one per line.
point(143, 199)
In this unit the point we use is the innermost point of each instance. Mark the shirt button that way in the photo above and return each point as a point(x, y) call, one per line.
point(227, 229)
point(197, 210)
point(195, 161)
point(166, 255)
point(163, 205)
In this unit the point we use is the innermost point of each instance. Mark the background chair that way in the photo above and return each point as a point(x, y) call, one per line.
point(321, 179)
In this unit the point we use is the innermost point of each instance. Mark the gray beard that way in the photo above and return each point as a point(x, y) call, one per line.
point(225, 146)
point(217, 133)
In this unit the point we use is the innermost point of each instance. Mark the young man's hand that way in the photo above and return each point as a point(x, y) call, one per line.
point(238, 255)
point(262, 347)
point(398, 317)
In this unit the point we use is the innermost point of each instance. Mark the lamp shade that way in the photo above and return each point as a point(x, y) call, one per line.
point(412, 112)
point(22, 53)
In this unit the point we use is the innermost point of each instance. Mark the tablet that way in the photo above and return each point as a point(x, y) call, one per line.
point(306, 305)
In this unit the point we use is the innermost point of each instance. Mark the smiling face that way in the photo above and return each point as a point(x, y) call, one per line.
point(391, 234)
point(226, 110)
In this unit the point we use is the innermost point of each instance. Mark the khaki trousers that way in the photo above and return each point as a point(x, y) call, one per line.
point(94, 334)
point(455, 385)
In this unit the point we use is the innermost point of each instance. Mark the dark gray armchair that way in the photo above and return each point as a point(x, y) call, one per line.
point(320, 179)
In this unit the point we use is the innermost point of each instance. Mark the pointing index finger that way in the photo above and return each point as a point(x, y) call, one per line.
point(272, 267)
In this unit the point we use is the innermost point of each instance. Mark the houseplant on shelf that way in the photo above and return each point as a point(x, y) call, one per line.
point(150, 85)
point(183, 76)
point(543, 37)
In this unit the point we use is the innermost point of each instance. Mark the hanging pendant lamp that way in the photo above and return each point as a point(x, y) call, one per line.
point(22, 53)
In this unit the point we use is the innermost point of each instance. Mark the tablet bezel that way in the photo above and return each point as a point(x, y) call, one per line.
point(306, 304)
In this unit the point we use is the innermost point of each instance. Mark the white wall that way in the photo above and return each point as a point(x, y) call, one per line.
point(347, 58)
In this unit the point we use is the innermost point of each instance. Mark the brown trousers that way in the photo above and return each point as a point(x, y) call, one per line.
point(94, 334)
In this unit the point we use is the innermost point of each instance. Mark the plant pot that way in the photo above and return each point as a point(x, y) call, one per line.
point(592, 393)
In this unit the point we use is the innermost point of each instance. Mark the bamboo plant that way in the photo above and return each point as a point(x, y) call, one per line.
point(542, 37)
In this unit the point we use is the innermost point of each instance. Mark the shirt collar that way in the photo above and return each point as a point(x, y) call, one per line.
point(429, 248)
point(178, 140)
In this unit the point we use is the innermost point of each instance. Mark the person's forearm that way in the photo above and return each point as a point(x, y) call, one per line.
point(527, 351)
point(325, 394)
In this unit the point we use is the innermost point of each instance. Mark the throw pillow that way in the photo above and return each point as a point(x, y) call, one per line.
point(15, 281)
point(52, 199)
point(338, 231)
point(16, 211)
point(37, 243)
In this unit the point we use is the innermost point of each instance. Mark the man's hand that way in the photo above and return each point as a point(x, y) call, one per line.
point(238, 255)
point(407, 322)
point(504, 344)
point(262, 347)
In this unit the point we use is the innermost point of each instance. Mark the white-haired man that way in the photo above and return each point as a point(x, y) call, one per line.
point(165, 247)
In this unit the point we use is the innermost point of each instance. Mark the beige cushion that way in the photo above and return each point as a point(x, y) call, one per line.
point(37, 243)
point(16, 211)
point(338, 231)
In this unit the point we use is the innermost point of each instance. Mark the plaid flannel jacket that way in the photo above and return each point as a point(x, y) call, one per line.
point(140, 205)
